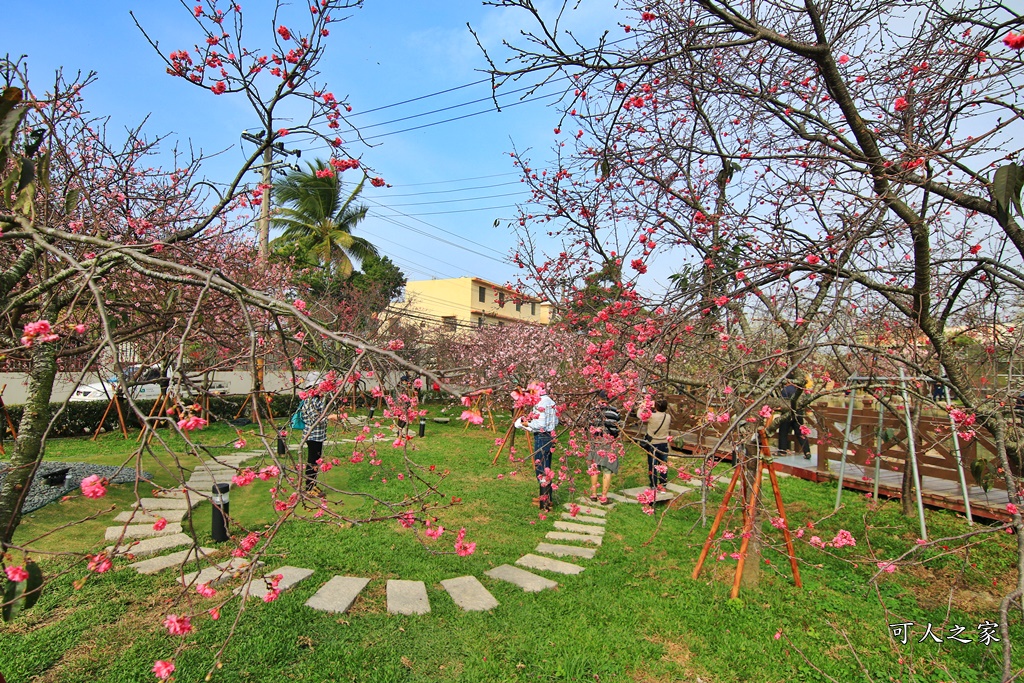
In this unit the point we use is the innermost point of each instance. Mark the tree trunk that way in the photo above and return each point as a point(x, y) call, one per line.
point(28, 448)
point(752, 565)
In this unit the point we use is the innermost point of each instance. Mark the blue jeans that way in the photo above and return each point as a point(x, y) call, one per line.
point(542, 460)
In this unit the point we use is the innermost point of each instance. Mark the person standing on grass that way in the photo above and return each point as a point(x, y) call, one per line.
point(656, 444)
point(315, 433)
point(541, 422)
point(605, 448)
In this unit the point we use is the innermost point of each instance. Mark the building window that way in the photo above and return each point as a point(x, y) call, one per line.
point(501, 298)
point(482, 294)
point(519, 306)
point(533, 308)
point(449, 321)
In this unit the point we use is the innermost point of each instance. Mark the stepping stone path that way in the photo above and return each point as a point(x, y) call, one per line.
point(580, 528)
point(138, 517)
point(528, 581)
point(469, 594)
point(289, 577)
point(338, 594)
point(566, 550)
point(130, 531)
point(583, 518)
point(158, 564)
point(150, 546)
point(549, 565)
point(407, 597)
point(568, 536)
point(216, 574)
point(585, 510)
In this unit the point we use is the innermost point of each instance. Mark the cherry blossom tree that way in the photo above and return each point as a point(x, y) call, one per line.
point(823, 178)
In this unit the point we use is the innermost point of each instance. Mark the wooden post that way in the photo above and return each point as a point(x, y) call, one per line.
point(718, 520)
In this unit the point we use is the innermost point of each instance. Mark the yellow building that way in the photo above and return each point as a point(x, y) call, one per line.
point(465, 301)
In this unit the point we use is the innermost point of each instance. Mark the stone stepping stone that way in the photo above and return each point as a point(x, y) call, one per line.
point(587, 510)
point(289, 577)
point(151, 504)
point(620, 498)
point(469, 594)
point(579, 538)
point(442, 420)
point(139, 517)
point(113, 533)
point(217, 574)
point(676, 488)
point(546, 564)
point(150, 546)
point(338, 594)
point(566, 550)
point(170, 494)
point(580, 528)
point(583, 518)
point(528, 581)
point(634, 492)
point(585, 501)
point(158, 564)
point(407, 597)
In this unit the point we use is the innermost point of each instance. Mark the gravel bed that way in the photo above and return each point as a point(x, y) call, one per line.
point(41, 493)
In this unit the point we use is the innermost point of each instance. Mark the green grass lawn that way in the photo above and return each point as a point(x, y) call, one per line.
point(633, 615)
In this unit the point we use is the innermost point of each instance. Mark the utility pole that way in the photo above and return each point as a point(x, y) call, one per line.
point(263, 229)
point(266, 180)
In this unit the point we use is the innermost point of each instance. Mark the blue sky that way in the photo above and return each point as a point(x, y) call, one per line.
point(387, 52)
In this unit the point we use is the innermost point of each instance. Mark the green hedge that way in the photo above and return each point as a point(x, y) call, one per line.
point(81, 418)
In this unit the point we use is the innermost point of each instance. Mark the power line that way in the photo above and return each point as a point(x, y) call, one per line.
point(422, 97)
point(445, 213)
point(460, 189)
point(461, 180)
point(463, 199)
point(390, 219)
point(458, 118)
point(439, 229)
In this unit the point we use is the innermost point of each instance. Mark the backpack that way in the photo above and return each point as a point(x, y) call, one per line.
point(297, 421)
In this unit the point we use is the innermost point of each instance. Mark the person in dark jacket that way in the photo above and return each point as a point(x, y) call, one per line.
point(791, 426)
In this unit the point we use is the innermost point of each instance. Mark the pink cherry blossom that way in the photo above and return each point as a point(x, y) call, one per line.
point(16, 574)
point(160, 524)
point(900, 103)
point(191, 423)
point(887, 567)
point(38, 332)
point(100, 563)
point(94, 486)
point(765, 412)
point(205, 590)
point(1011, 508)
point(163, 669)
point(843, 538)
point(178, 626)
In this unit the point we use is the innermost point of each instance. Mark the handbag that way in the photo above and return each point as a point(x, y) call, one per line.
point(297, 421)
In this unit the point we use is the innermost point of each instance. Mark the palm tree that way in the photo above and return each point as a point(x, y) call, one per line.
point(317, 222)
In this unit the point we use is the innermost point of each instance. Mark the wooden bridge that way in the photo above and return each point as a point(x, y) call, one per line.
point(876, 455)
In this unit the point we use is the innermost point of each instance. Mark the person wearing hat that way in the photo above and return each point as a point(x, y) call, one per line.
point(605, 449)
